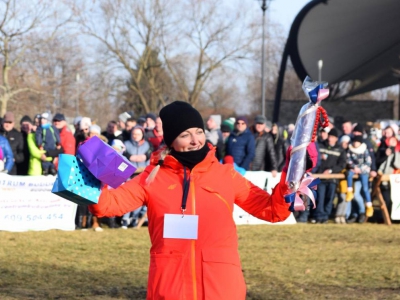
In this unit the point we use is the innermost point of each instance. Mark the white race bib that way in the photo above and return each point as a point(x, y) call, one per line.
point(181, 226)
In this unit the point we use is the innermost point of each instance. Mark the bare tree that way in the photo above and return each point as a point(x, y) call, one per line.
point(128, 41)
point(206, 36)
point(21, 23)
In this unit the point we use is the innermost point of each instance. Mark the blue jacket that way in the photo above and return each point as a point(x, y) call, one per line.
point(47, 136)
point(7, 153)
point(242, 147)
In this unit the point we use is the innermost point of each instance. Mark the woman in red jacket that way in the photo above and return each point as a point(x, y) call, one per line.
point(190, 197)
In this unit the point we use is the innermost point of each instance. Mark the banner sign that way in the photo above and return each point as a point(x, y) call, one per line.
point(265, 181)
point(395, 196)
point(26, 203)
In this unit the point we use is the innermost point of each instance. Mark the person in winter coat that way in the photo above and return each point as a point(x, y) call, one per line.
point(48, 139)
point(26, 124)
point(358, 130)
point(138, 151)
point(67, 139)
point(265, 156)
point(241, 144)
point(112, 132)
point(280, 147)
point(359, 162)
point(190, 197)
point(6, 156)
point(333, 160)
point(382, 153)
point(16, 141)
point(154, 135)
point(214, 134)
point(390, 166)
point(36, 155)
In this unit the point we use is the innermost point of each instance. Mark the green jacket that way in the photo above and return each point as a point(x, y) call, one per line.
point(35, 163)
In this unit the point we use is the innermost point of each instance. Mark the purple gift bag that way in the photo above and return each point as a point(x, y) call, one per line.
point(104, 162)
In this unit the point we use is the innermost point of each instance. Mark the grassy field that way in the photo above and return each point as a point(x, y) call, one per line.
point(279, 262)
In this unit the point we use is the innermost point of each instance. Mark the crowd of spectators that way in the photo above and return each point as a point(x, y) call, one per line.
point(256, 145)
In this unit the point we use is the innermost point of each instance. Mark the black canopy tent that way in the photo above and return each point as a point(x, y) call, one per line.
point(357, 40)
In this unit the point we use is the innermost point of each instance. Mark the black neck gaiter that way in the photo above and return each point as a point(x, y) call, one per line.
point(190, 158)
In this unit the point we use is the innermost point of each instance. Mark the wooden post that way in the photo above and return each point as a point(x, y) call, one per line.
point(376, 192)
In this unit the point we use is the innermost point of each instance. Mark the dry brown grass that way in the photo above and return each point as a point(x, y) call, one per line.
point(279, 262)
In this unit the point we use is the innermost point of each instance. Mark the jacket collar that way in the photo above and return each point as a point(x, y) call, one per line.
point(172, 163)
point(360, 150)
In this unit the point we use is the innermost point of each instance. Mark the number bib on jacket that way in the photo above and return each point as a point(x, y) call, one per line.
point(180, 226)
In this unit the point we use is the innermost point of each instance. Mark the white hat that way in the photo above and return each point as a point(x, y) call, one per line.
point(46, 116)
point(85, 123)
point(345, 139)
point(118, 145)
point(124, 117)
point(95, 128)
point(216, 119)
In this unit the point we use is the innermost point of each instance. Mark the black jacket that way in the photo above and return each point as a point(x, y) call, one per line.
point(16, 141)
point(280, 150)
point(332, 158)
point(265, 157)
point(23, 167)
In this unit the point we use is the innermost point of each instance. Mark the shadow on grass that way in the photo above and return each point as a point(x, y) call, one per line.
point(42, 281)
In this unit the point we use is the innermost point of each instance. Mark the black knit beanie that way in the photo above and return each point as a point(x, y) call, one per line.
point(177, 117)
point(25, 119)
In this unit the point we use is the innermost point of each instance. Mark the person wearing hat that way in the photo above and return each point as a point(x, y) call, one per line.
point(16, 142)
point(81, 129)
point(359, 162)
point(26, 125)
point(265, 156)
point(214, 134)
point(190, 198)
point(31, 150)
point(48, 138)
point(333, 161)
point(150, 121)
point(122, 118)
point(126, 132)
point(358, 130)
point(154, 135)
point(138, 151)
point(241, 144)
point(112, 132)
point(67, 139)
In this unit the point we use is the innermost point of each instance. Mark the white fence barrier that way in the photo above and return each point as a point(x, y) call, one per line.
point(395, 196)
point(26, 203)
point(263, 180)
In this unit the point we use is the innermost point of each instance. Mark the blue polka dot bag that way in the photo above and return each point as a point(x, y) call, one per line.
point(74, 182)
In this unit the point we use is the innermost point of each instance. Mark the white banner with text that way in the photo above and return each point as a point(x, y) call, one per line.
point(26, 203)
point(395, 196)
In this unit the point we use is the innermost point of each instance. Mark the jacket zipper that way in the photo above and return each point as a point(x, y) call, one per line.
point(193, 245)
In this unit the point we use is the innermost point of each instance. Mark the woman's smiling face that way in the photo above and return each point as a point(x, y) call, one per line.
point(191, 139)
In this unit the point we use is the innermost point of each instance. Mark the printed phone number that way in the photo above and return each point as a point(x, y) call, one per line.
point(32, 218)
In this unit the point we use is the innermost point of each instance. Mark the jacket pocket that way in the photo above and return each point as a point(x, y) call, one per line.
point(222, 274)
point(166, 276)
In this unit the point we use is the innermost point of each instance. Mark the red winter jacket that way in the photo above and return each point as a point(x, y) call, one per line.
point(67, 141)
point(209, 267)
